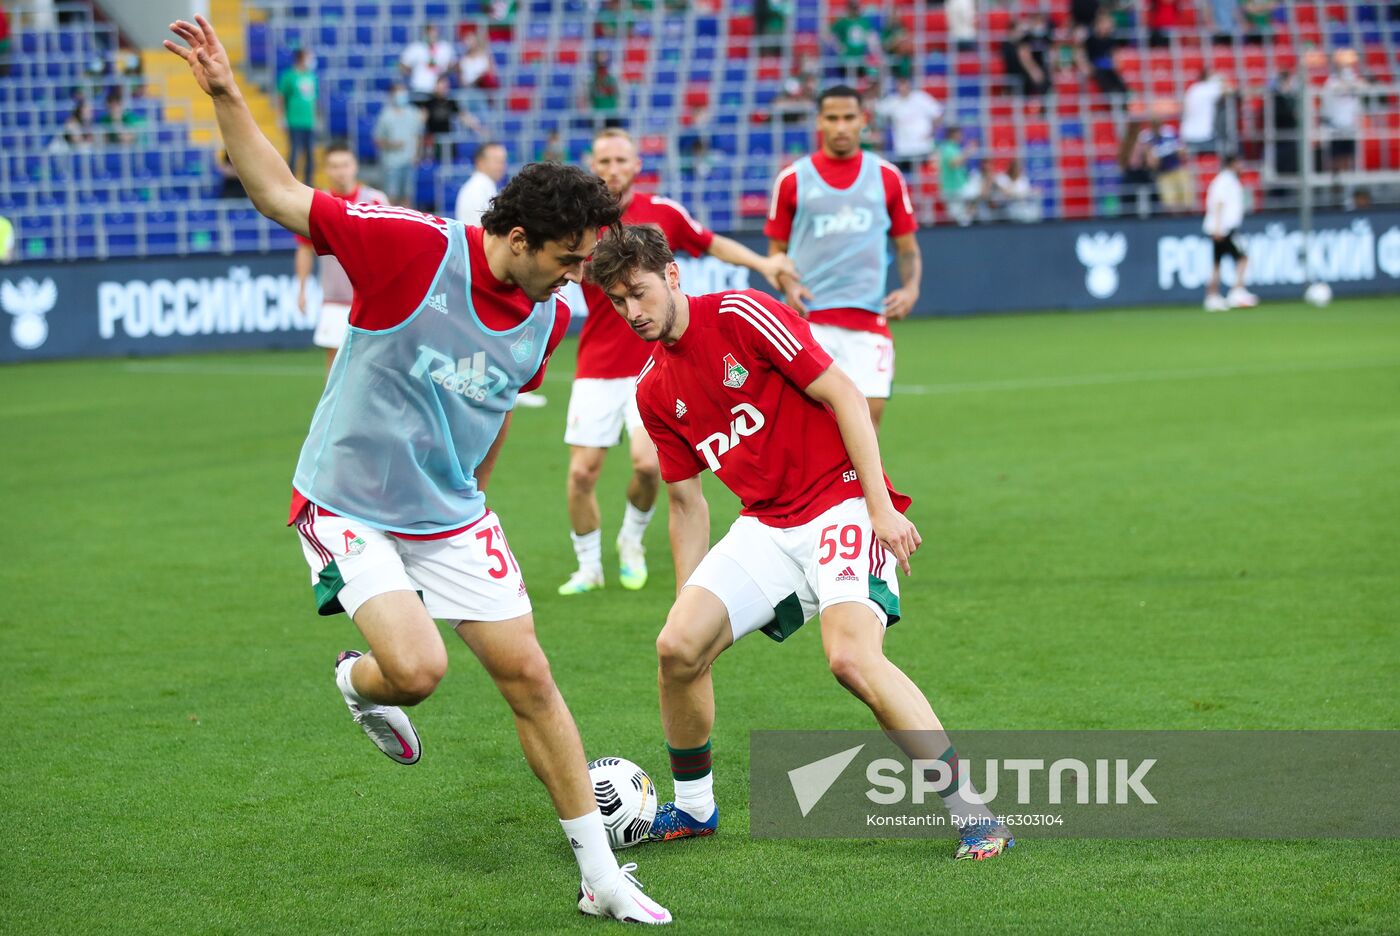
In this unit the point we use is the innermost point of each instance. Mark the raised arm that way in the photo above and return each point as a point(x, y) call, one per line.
point(834, 389)
point(266, 177)
point(690, 527)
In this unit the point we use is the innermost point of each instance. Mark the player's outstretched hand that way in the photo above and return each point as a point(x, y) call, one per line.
point(780, 272)
point(206, 56)
point(797, 296)
point(897, 534)
point(899, 304)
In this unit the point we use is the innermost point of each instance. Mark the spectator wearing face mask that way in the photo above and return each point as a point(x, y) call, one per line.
point(398, 132)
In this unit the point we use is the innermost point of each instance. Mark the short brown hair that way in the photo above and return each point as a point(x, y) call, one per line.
point(613, 133)
point(636, 248)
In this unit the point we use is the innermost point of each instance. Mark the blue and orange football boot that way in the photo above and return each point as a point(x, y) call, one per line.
point(673, 822)
point(980, 841)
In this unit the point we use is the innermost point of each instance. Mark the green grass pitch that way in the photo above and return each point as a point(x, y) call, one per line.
point(1146, 519)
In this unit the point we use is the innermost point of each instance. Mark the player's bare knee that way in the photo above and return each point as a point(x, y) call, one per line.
point(851, 671)
point(416, 683)
point(583, 476)
point(678, 654)
point(528, 683)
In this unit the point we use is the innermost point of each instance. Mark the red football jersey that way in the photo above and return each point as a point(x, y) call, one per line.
point(391, 255)
point(842, 174)
point(607, 347)
point(729, 396)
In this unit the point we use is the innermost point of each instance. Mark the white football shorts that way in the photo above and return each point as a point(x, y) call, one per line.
point(775, 580)
point(331, 325)
point(867, 358)
point(600, 409)
point(472, 576)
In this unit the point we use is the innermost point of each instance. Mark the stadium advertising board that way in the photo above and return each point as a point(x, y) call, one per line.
point(164, 306)
point(1112, 263)
point(181, 305)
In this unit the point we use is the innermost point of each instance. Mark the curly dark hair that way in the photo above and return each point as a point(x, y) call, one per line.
point(635, 248)
point(552, 202)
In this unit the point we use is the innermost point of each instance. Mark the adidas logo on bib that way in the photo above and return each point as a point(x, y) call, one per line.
point(848, 575)
point(438, 303)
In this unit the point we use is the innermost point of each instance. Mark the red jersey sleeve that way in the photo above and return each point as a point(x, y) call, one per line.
point(898, 202)
point(556, 335)
point(782, 207)
point(678, 460)
point(776, 334)
point(390, 255)
point(683, 231)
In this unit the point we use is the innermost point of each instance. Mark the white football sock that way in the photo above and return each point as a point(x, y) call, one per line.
point(697, 797)
point(634, 523)
point(589, 841)
point(342, 679)
point(588, 547)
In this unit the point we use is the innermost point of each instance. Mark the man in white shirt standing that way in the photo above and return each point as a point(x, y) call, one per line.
point(1224, 215)
point(424, 62)
point(913, 115)
point(1198, 110)
point(474, 198)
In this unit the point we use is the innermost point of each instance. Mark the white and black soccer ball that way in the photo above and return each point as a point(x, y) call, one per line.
point(626, 797)
point(1318, 294)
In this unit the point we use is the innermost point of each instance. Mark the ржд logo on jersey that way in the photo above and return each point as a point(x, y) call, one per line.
point(472, 377)
point(846, 221)
point(747, 421)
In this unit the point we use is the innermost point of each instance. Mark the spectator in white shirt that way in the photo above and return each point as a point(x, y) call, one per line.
point(962, 22)
point(1013, 194)
point(1198, 112)
point(424, 62)
point(913, 115)
point(475, 196)
point(1224, 215)
point(477, 68)
point(1341, 110)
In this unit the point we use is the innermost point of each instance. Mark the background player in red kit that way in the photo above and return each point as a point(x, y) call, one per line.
point(603, 399)
point(737, 385)
point(342, 169)
point(835, 214)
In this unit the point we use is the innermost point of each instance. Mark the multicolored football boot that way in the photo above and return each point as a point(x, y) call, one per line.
point(632, 564)
point(673, 822)
point(980, 841)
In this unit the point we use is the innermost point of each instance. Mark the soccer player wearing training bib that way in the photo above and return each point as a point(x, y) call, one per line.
point(737, 385)
point(603, 399)
point(447, 325)
point(834, 213)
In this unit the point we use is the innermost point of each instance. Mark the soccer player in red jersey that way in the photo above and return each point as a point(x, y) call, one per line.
point(834, 213)
point(449, 323)
point(337, 295)
point(738, 385)
point(603, 399)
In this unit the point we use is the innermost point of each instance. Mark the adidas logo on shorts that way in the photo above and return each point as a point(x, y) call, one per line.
point(848, 575)
point(520, 592)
